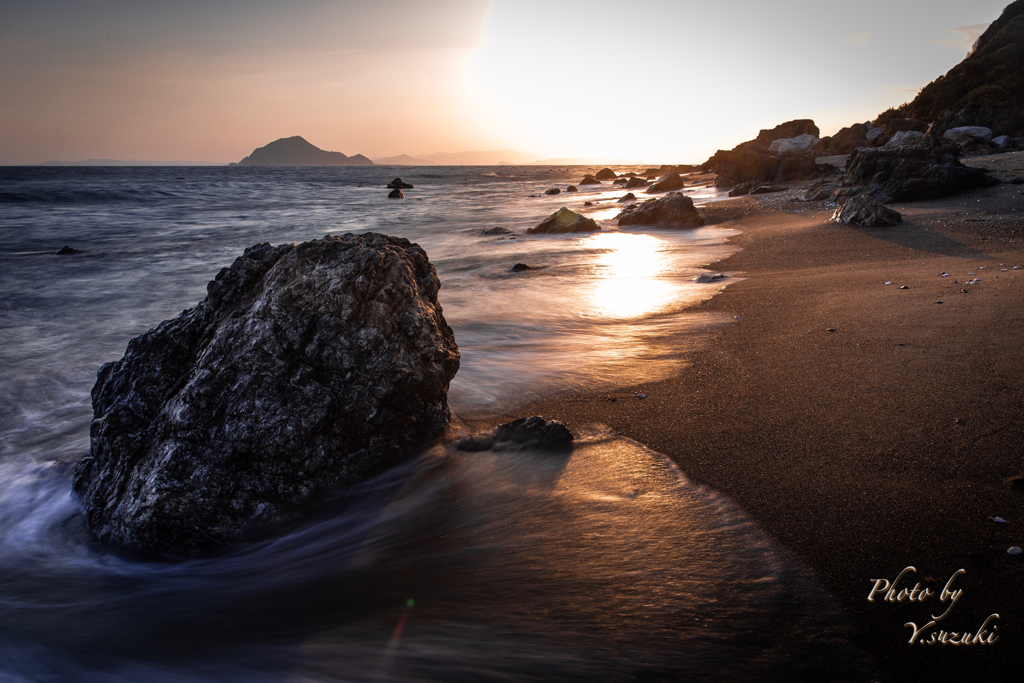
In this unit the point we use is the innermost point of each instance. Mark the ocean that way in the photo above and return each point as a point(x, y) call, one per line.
point(606, 564)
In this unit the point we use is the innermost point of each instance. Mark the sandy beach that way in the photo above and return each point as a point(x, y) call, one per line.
point(865, 426)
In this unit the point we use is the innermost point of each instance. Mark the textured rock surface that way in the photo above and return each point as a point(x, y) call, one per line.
point(565, 220)
point(908, 173)
point(968, 134)
point(606, 174)
point(800, 143)
point(399, 184)
point(526, 433)
point(635, 182)
point(789, 129)
point(667, 183)
point(749, 163)
point(673, 210)
point(904, 137)
point(866, 211)
point(304, 369)
point(627, 198)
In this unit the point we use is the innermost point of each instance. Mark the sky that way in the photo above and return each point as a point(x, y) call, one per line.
point(654, 82)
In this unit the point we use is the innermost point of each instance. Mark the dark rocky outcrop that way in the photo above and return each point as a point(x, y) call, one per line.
point(68, 251)
point(627, 198)
point(789, 129)
point(606, 174)
point(846, 140)
point(295, 151)
point(396, 194)
point(754, 188)
point(519, 267)
point(907, 173)
point(306, 368)
point(667, 183)
point(635, 182)
point(552, 190)
point(866, 211)
point(749, 163)
point(590, 180)
point(399, 184)
point(565, 220)
point(499, 230)
point(673, 210)
point(526, 433)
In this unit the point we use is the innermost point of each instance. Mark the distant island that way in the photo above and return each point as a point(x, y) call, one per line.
point(404, 160)
point(296, 151)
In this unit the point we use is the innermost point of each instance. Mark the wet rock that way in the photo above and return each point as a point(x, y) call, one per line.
point(801, 143)
point(553, 190)
point(68, 251)
point(306, 368)
point(590, 180)
point(527, 433)
point(565, 220)
point(673, 210)
point(500, 230)
point(866, 211)
point(572, 188)
point(635, 182)
point(620, 181)
point(667, 183)
point(606, 174)
point(907, 173)
point(396, 194)
point(588, 203)
point(519, 267)
point(399, 184)
point(626, 198)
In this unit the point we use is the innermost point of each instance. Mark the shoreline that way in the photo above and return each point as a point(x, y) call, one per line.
point(864, 427)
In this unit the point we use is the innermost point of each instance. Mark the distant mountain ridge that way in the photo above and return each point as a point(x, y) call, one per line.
point(131, 162)
point(404, 160)
point(296, 151)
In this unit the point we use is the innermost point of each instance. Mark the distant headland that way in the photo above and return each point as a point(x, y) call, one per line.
point(296, 151)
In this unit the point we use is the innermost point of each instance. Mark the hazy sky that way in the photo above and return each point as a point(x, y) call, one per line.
point(652, 81)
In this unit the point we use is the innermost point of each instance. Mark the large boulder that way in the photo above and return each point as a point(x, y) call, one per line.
point(589, 180)
point(674, 210)
point(964, 134)
point(749, 163)
point(904, 137)
point(635, 182)
point(789, 129)
point(907, 173)
point(668, 182)
point(866, 211)
point(846, 140)
point(606, 174)
point(565, 220)
point(800, 143)
point(306, 368)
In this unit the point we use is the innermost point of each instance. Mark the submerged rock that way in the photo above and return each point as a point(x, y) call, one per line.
point(620, 181)
point(909, 172)
point(499, 230)
point(399, 184)
point(590, 180)
point(306, 368)
point(866, 211)
point(572, 188)
point(552, 190)
point(68, 251)
point(606, 174)
point(396, 194)
point(668, 182)
point(565, 220)
point(626, 198)
point(526, 433)
point(673, 210)
point(519, 267)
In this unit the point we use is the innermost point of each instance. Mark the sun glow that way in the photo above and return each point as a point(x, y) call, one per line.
point(631, 276)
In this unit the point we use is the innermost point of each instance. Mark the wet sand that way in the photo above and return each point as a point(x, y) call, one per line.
point(864, 426)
